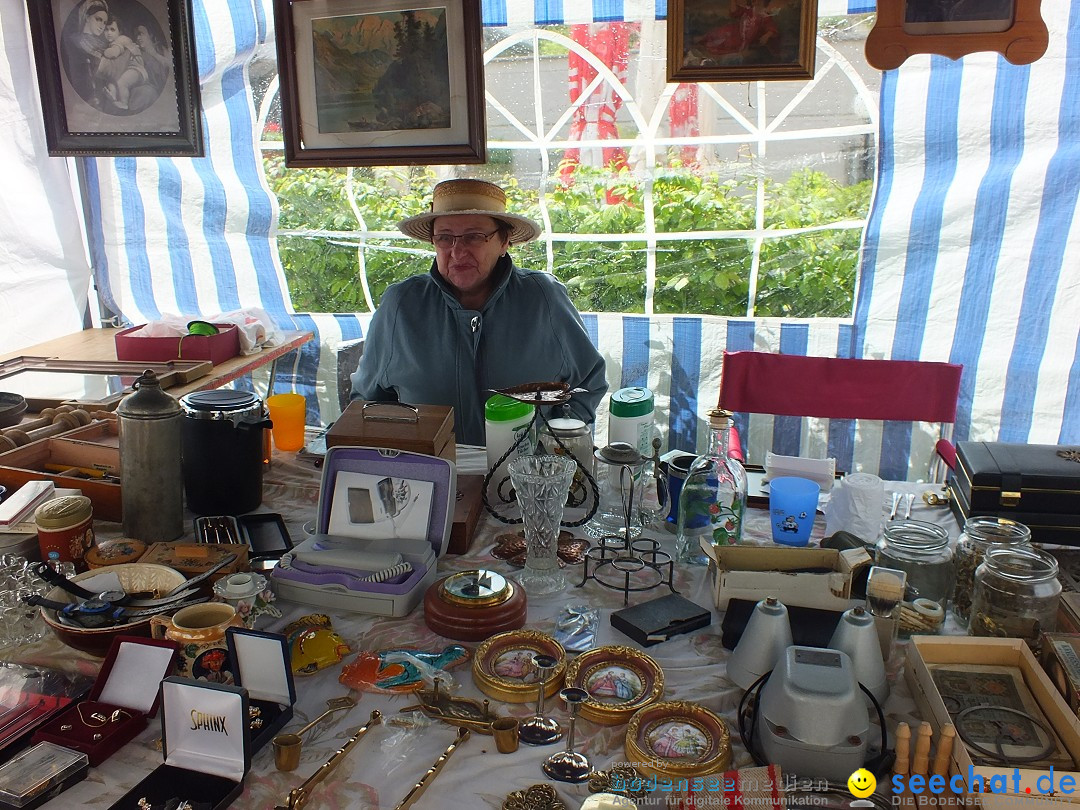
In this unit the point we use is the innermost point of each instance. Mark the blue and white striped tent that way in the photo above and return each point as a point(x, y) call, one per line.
point(970, 252)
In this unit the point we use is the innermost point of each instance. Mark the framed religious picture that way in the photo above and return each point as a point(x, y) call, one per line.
point(117, 77)
point(380, 82)
point(955, 28)
point(741, 40)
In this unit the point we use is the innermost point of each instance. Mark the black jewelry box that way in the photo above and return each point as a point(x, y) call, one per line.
point(260, 662)
point(1034, 484)
point(659, 619)
point(205, 745)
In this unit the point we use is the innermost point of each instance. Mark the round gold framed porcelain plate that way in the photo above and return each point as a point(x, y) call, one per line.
point(677, 739)
point(504, 668)
point(620, 680)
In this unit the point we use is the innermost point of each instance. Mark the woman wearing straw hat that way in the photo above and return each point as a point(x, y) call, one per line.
point(475, 322)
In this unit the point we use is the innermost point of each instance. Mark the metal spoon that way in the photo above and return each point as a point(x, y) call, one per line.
point(287, 746)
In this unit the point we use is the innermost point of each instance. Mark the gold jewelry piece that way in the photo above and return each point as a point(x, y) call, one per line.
point(144, 804)
point(98, 716)
point(256, 723)
point(254, 711)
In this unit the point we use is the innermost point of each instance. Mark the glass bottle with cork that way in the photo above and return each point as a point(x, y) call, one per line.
point(713, 497)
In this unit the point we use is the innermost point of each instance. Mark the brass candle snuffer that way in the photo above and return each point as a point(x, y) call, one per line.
point(299, 796)
point(419, 788)
point(287, 746)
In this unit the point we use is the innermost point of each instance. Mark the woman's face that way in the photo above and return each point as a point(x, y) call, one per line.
point(468, 269)
point(95, 23)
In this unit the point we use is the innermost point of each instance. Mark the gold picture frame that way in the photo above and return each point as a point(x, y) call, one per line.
point(955, 28)
point(741, 40)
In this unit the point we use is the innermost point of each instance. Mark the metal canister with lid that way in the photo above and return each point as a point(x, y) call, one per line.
point(153, 491)
point(65, 529)
point(222, 437)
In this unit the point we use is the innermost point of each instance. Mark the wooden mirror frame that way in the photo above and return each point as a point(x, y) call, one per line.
point(169, 374)
point(889, 45)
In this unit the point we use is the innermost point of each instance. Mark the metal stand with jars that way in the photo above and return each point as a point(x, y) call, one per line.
point(620, 560)
point(545, 394)
point(921, 550)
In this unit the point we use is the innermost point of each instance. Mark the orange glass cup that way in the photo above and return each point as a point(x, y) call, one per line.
point(288, 412)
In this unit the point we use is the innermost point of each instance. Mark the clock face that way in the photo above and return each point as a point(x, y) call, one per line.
point(478, 587)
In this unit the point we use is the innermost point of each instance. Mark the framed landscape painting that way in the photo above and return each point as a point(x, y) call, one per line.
point(741, 40)
point(380, 82)
point(117, 77)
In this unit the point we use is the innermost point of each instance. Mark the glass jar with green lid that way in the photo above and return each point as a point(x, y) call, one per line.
point(980, 535)
point(922, 550)
point(1016, 594)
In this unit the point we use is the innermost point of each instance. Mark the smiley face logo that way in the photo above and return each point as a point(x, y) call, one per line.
point(861, 783)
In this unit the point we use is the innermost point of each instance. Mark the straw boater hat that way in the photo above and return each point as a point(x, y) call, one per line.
point(469, 197)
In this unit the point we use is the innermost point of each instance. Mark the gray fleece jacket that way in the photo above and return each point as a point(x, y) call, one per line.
point(423, 347)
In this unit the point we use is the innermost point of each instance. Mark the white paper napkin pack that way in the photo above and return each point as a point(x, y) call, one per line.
point(820, 470)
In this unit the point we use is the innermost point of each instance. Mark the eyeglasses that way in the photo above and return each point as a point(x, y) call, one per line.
point(446, 241)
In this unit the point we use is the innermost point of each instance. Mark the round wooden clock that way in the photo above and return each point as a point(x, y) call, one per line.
point(473, 605)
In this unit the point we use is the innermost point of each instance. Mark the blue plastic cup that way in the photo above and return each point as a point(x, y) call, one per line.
point(792, 506)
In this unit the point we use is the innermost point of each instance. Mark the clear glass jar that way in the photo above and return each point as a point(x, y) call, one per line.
point(713, 496)
point(576, 437)
point(922, 550)
point(981, 534)
point(1016, 594)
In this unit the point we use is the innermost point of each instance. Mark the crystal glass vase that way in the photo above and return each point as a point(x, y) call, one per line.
point(542, 484)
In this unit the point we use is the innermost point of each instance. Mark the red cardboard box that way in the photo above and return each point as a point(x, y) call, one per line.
point(124, 695)
point(215, 348)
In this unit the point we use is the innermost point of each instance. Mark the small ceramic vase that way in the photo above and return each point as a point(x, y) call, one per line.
point(200, 632)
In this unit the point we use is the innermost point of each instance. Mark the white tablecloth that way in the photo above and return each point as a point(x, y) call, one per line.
point(385, 765)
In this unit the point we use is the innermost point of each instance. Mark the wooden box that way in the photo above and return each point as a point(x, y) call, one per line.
point(425, 429)
point(73, 464)
point(1026, 786)
point(191, 559)
point(468, 508)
